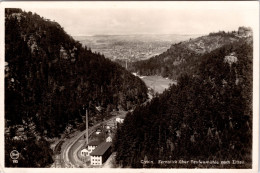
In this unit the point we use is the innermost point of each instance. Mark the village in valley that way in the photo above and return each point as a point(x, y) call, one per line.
point(97, 149)
point(90, 148)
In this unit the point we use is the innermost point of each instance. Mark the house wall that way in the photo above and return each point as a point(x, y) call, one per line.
point(106, 155)
point(96, 160)
point(99, 160)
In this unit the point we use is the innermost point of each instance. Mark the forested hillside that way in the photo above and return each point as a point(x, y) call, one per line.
point(206, 117)
point(50, 79)
point(185, 56)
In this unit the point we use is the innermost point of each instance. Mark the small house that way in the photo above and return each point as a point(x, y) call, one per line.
point(91, 146)
point(109, 139)
point(98, 131)
point(84, 152)
point(119, 120)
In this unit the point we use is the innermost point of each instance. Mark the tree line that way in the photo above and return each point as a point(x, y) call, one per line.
point(52, 78)
point(182, 56)
point(207, 116)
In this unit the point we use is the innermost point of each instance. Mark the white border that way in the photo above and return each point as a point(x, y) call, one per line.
point(254, 5)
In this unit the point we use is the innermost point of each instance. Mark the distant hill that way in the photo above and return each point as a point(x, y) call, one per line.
point(206, 117)
point(50, 79)
point(185, 56)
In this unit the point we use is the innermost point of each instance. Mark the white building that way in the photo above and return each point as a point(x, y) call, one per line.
point(91, 147)
point(98, 131)
point(96, 160)
point(84, 152)
point(109, 139)
point(119, 120)
point(100, 154)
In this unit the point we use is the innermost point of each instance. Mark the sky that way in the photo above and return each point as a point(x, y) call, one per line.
point(125, 18)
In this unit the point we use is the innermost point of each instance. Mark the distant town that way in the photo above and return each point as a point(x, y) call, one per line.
point(131, 47)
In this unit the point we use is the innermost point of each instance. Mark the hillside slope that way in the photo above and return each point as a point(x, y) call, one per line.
point(185, 56)
point(50, 79)
point(207, 117)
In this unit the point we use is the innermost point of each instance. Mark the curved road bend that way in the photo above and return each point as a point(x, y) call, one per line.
point(68, 154)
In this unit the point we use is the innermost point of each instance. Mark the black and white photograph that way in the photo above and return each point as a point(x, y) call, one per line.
point(142, 86)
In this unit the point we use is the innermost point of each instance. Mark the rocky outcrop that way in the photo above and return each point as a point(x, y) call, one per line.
point(245, 32)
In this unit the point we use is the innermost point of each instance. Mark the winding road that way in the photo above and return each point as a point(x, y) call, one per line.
point(74, 144)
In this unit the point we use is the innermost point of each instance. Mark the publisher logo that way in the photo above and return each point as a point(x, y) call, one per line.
point(14, 155)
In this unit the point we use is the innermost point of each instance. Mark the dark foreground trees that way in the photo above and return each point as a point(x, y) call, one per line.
point(50, 79)
point(207, 117)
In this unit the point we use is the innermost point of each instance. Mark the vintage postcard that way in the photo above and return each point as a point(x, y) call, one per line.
point(116, 86)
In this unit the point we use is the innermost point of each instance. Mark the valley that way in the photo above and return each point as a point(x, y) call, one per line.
point(158, 83)
point(126, 101)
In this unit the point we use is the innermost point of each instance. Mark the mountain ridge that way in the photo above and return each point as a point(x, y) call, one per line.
point(206, 117)
point(50, 81)
point(183, 56)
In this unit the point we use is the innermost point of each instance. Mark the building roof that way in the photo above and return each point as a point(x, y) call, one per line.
point(84, 150)
point(94, 143)
point(101, 149)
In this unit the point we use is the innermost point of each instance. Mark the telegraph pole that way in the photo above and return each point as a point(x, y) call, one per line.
point(86, 126)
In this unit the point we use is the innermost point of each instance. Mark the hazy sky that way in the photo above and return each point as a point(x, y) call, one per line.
point(149, 17)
